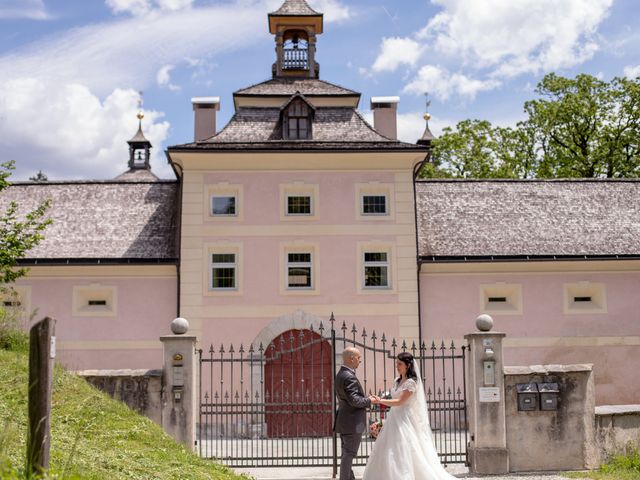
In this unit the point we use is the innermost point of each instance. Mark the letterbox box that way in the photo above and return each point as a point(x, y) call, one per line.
point(549, 394)
point(527, 397)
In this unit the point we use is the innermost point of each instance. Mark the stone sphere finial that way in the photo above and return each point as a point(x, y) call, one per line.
point(484, 323)
point(179, 326)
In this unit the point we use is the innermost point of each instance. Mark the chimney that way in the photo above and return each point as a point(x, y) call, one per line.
point(384, 115)
point(205, 117)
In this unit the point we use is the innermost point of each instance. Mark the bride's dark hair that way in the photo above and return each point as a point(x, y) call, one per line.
point(407, 359)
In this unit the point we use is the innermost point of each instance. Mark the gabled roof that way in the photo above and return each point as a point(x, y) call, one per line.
point(466, 219)
point(294, 97)
point(125, 221)
point(295, 7)
point(333, 128)
point(287, 86)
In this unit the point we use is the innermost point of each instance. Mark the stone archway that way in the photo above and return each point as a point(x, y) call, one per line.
point(297, 377)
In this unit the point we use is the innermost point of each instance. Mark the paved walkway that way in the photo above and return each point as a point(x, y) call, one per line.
point(324, 473)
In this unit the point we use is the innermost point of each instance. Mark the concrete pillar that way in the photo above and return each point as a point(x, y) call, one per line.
point(204, 125)
point(488, 454)
point(180, 395)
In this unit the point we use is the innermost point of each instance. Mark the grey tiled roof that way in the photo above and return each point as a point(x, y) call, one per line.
point(332, 128)
point(102, 220)
point(289, 86)
point(295, 7)
point(538, 218)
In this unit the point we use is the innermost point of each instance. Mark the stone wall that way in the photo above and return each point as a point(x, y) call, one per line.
point(617, 430)
point(561, 439)
point(140, 390)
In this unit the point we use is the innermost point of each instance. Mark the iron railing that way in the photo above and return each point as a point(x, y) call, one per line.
point(274, 405)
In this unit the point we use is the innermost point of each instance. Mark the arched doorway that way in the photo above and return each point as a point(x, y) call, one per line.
point(298, 385)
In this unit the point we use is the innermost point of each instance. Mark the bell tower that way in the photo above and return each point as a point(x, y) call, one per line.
point(295, 26)
point(139, 147)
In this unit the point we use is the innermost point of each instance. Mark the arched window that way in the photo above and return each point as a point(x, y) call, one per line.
point(297, 121)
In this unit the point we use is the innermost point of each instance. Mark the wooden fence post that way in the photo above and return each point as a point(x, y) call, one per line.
point(41, 355)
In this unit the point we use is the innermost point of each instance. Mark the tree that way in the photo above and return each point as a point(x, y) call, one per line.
point(581, 127)
point(19, 233)
point(39, 177)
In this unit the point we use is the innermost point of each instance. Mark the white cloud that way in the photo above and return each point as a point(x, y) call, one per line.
point(163, 78)
point(439, 82)
point(31, 9)
point(411, 125)
point(62, 109)
point(631, 71)
point(71, 129)
point(143, 7)
point(129, 52)
point(333, 10)
point(525, 36)
point(395, 52)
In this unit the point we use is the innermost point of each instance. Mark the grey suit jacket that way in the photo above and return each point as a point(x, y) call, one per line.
point(352, 403)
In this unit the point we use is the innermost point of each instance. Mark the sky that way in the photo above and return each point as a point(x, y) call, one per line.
point(73, 73)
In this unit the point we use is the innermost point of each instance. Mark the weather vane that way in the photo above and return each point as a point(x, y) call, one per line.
point(427, 103)
point(140, 102)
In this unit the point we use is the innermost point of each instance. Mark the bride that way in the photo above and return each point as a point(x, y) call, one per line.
point(404, 450)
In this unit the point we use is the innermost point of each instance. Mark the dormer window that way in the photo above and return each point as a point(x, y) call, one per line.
point(297, 121)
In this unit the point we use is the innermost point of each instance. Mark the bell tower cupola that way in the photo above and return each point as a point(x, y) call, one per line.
point(139, 148)
point(295, 26)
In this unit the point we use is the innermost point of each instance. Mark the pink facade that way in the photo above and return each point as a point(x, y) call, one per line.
point(127, 339)
point(543, 333)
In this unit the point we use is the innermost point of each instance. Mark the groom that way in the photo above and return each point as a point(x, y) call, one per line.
point(351, 418)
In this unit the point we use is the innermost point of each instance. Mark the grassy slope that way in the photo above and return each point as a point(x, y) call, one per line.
point(112, 441)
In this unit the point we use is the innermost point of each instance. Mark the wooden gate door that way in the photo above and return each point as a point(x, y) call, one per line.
point(298, 385)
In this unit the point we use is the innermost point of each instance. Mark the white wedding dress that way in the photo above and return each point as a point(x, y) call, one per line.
point(404, 450)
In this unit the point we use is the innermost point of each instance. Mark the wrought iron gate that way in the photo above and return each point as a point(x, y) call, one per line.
point(273, 405)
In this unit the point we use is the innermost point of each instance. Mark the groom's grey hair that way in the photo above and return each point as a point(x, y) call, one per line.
point(349, 352)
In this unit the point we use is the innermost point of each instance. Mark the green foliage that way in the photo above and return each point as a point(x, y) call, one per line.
point(92, 436)
point(18, 233)
point(620, 467)
point(12, 336)
point(580, 127)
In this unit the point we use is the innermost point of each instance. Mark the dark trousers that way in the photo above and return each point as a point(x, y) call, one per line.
point(350, 445)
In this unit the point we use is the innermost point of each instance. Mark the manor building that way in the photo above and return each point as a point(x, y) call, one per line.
point(298, 208)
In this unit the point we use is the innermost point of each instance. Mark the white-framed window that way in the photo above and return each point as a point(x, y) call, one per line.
point(299, 270)
point(299, 205)
point(375, 201)
point(94, 300)
point(223, 205)
point(376, 267)
point(224, 269)
point(224, 202)
point(501, 298)
point(376, 270)
point(374, 204)
point(222, 275)
point(299, 201)
point(584, 297)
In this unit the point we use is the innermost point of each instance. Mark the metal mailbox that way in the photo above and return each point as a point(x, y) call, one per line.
point(527, 397)
point(549, 396)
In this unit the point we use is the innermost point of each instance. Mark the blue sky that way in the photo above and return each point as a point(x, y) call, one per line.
point(71, 70)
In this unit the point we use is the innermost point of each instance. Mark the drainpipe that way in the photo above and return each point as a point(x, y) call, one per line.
point(416, 172)
point(179, 176)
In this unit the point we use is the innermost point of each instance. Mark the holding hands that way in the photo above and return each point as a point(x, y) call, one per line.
point(374, 399)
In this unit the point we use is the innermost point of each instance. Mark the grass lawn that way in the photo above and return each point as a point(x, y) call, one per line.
point(92, 436)
point(622, 467)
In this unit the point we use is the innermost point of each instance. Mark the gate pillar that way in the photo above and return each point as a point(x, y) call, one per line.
point(179, 391)
point(488, 452)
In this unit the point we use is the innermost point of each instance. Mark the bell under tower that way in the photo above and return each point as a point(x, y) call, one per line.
point(295, 26)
